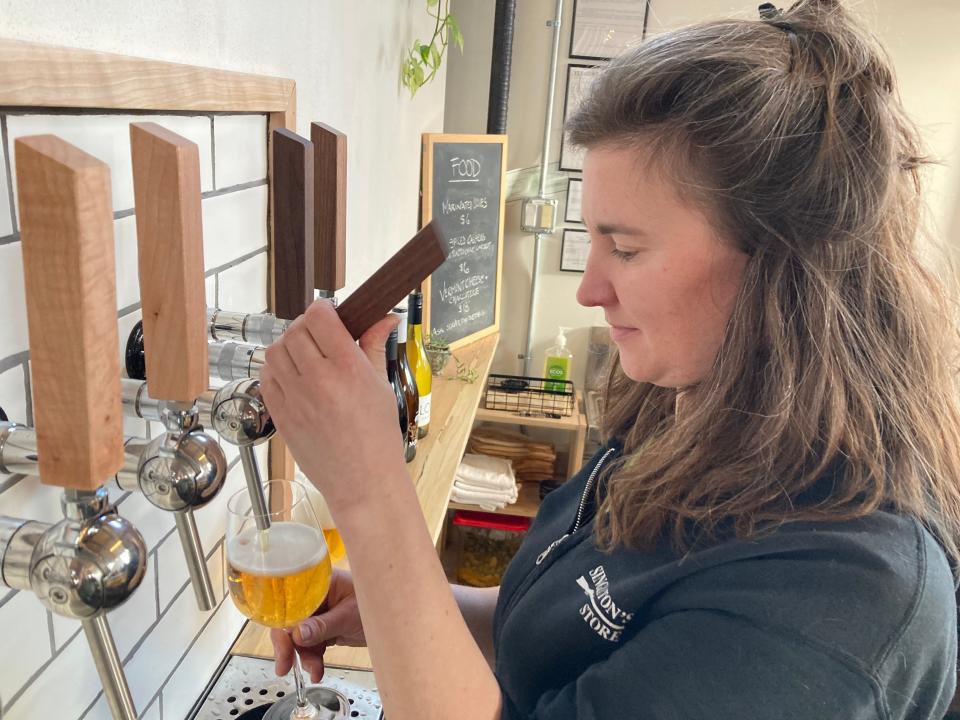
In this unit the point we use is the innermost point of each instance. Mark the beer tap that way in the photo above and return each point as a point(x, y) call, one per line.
point(184, 468)
point(91, 561)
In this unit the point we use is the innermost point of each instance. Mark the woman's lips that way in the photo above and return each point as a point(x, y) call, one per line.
point(618, 333)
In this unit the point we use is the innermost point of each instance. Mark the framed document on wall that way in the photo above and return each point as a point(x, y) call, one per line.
point(603, 29)
point(579, 78)
point(572, 211)
point(574, 247)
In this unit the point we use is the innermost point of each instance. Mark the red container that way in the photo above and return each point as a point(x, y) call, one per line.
point(485, 544)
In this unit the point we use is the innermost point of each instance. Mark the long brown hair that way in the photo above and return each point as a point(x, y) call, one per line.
point(833, 393)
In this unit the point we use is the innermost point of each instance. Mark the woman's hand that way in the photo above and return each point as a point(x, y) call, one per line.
point(332, 405)
point(337, 623)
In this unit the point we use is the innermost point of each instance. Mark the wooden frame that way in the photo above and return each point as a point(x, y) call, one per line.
point(608, 27)
point(39, 76)
point(578, 217)
point(426, 214)
point(568, 161)
point(568, 265)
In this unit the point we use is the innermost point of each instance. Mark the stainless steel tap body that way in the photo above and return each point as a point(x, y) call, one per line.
point(254, 328)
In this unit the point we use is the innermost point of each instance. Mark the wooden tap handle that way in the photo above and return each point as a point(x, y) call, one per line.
point(166, 188)
point(66, 228)
point(330, 173)
point(293, 222)
point(409, 267)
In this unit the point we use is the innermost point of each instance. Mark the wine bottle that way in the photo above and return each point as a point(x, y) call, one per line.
point(393, 376)
point(408, 383)
point(419, 363)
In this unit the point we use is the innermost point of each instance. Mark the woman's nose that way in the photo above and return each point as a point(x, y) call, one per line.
point(595, 289)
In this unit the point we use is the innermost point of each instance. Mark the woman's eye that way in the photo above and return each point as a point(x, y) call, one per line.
point(623, 254)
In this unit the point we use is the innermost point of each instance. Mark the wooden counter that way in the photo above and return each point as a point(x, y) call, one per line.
point(454, 406)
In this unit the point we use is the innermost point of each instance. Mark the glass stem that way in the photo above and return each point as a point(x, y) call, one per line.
point(298, 680)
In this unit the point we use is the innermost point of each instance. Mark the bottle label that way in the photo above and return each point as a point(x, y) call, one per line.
point(423, 416)
point(556, 368)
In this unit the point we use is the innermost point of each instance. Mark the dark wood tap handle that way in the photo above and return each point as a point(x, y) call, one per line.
point(66, 227)
point(389, 285)
point(293, 221)
point(330, 173)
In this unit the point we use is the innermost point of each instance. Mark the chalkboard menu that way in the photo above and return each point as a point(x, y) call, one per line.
point(463, 188)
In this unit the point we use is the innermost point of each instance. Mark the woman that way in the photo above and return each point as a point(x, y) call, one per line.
point(770, 529)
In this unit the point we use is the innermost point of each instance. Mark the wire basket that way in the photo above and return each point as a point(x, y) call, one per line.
point(529, 396)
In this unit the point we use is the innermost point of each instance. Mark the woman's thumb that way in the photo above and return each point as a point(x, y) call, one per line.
point(373, 342)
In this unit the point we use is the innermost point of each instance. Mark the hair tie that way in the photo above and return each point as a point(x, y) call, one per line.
point(770, 14)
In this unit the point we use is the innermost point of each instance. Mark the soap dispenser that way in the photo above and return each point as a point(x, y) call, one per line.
point(556, 367)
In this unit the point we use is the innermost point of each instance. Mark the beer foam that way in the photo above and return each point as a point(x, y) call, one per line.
point(287, 548)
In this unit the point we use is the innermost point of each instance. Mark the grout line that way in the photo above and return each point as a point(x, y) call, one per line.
point(8, 168)
point(213, 153)
point(13, 360)
point(233, 189)
point(159, 705)
point(216, 290)
point(236, 261)
point(7, 484)
point(91, 705)
point(53, 644)
point(8, 597)
point(124, 311)
point(120, 214)
point(9, 239)
point(28, 392)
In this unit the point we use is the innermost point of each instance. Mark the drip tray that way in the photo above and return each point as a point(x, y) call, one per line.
point(246, 687)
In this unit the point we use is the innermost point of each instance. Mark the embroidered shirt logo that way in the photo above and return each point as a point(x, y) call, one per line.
point(600, 612)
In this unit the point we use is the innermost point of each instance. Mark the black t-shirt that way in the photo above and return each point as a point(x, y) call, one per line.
point(817, 621)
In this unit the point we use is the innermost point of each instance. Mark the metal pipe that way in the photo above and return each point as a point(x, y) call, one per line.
point(196, 563)
point(254, 328)
point(109, 668)
point(233, 361)
point(547, 129)
point(500, 62)
point(258, 501)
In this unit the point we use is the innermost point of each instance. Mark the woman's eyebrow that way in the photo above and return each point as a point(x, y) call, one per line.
point(617, 229)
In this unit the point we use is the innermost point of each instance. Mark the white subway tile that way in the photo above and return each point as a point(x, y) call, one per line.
point(212, 519)
point(243, 288)
point(172, 571)
point(218, 573)
point(63, 630)
point(23, 627)
point(107, 137)
point(151, 713)
point(101, 711)
point(152, 522)
point(13, 300)
point(211, 288)
point(65, 688)
point(234, 225)
point(13, 397)
point(125, 242)
point(134, 427)
point(130, 621)
point(32, 500)
point(164, 646)
point(190, 679)
point(240, 145)
point(6, 219)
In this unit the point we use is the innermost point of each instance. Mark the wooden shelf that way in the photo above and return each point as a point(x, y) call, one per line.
point(527, 504)
point(571, 423)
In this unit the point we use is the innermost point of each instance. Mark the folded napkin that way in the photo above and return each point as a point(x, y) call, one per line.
point(486, 499)
point(486, 471)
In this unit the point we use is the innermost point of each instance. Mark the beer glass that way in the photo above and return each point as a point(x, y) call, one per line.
point(278, 567)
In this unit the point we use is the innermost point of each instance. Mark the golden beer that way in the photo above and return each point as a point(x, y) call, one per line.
point(334, 544)
point(280, 576)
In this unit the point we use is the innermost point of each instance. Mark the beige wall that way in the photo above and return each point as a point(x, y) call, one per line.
point(920, 38)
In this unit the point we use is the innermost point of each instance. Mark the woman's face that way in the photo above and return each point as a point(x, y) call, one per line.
point(666, 281)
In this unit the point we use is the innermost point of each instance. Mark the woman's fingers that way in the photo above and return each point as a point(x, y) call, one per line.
point(283, 650)
point(373, 343)
point(303, 351)
point(326, 328)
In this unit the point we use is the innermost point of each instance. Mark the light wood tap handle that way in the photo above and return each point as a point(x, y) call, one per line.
point(166, 187)
point(293, 221)
point(66, 227)
point(330, 172)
